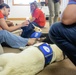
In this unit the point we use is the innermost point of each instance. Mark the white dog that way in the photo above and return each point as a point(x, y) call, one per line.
point(29, 62)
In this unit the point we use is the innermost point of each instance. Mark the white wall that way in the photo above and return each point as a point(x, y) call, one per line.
point(18, 11)
point(63, 5)
point(24, 11)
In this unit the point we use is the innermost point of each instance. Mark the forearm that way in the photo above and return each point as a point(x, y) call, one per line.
point(4, 25)
point(69, 15)
point(32, 19)
point(13, 28)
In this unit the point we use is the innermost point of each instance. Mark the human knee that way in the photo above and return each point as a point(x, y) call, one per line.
point(56, 15)
point(54, 26)
point(51, 13)
point(4, 33)
point(54, 29)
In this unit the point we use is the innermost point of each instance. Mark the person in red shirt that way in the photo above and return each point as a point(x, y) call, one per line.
point(5, 9)
point(4, 12)
point(5, 35)
point(37, 15)
point(38, 19)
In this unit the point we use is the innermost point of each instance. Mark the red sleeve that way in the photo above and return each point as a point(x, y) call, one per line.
point(1, 15)
point(36, 13)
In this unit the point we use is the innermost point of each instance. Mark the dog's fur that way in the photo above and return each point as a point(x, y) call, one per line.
point(29, 62)
point(37, 29)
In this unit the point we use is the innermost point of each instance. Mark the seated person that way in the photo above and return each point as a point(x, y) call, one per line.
point(25, 25)
point(38, 16)
point(63, 33)
point(5, 35)
point(4, 11)
point(9, 23)
point(38, 19)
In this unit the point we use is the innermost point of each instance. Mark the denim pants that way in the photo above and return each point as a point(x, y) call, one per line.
point(28, 30)
point(53, 11)
point(65, 38)
point(12, 40)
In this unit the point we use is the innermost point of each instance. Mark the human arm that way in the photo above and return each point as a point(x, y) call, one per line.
point(4, 25)
point(9, 23)
point(69, 15)
point(36, 14)
point(32, 19)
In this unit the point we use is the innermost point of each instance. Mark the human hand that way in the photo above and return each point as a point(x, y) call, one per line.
point(25, 23)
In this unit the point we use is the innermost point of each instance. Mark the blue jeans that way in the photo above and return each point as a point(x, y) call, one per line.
point(12, 40)
point(65, 38)
point(28, 30)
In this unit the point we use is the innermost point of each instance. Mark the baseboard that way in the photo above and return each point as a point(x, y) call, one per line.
point(16, 19)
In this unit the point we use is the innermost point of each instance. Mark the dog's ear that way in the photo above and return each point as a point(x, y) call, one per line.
point(37, 29)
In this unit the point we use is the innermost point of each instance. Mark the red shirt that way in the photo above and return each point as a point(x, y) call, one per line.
point(39, 17)
point(1, 15)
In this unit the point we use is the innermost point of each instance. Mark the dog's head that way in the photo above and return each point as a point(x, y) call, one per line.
point(37, 29)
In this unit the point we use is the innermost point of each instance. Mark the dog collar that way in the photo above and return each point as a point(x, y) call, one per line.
point(47, 52)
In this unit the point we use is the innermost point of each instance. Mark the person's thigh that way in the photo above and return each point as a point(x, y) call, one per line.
point(66, 32)
point(12, 40)
point(65, 38)
point(2, 33)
